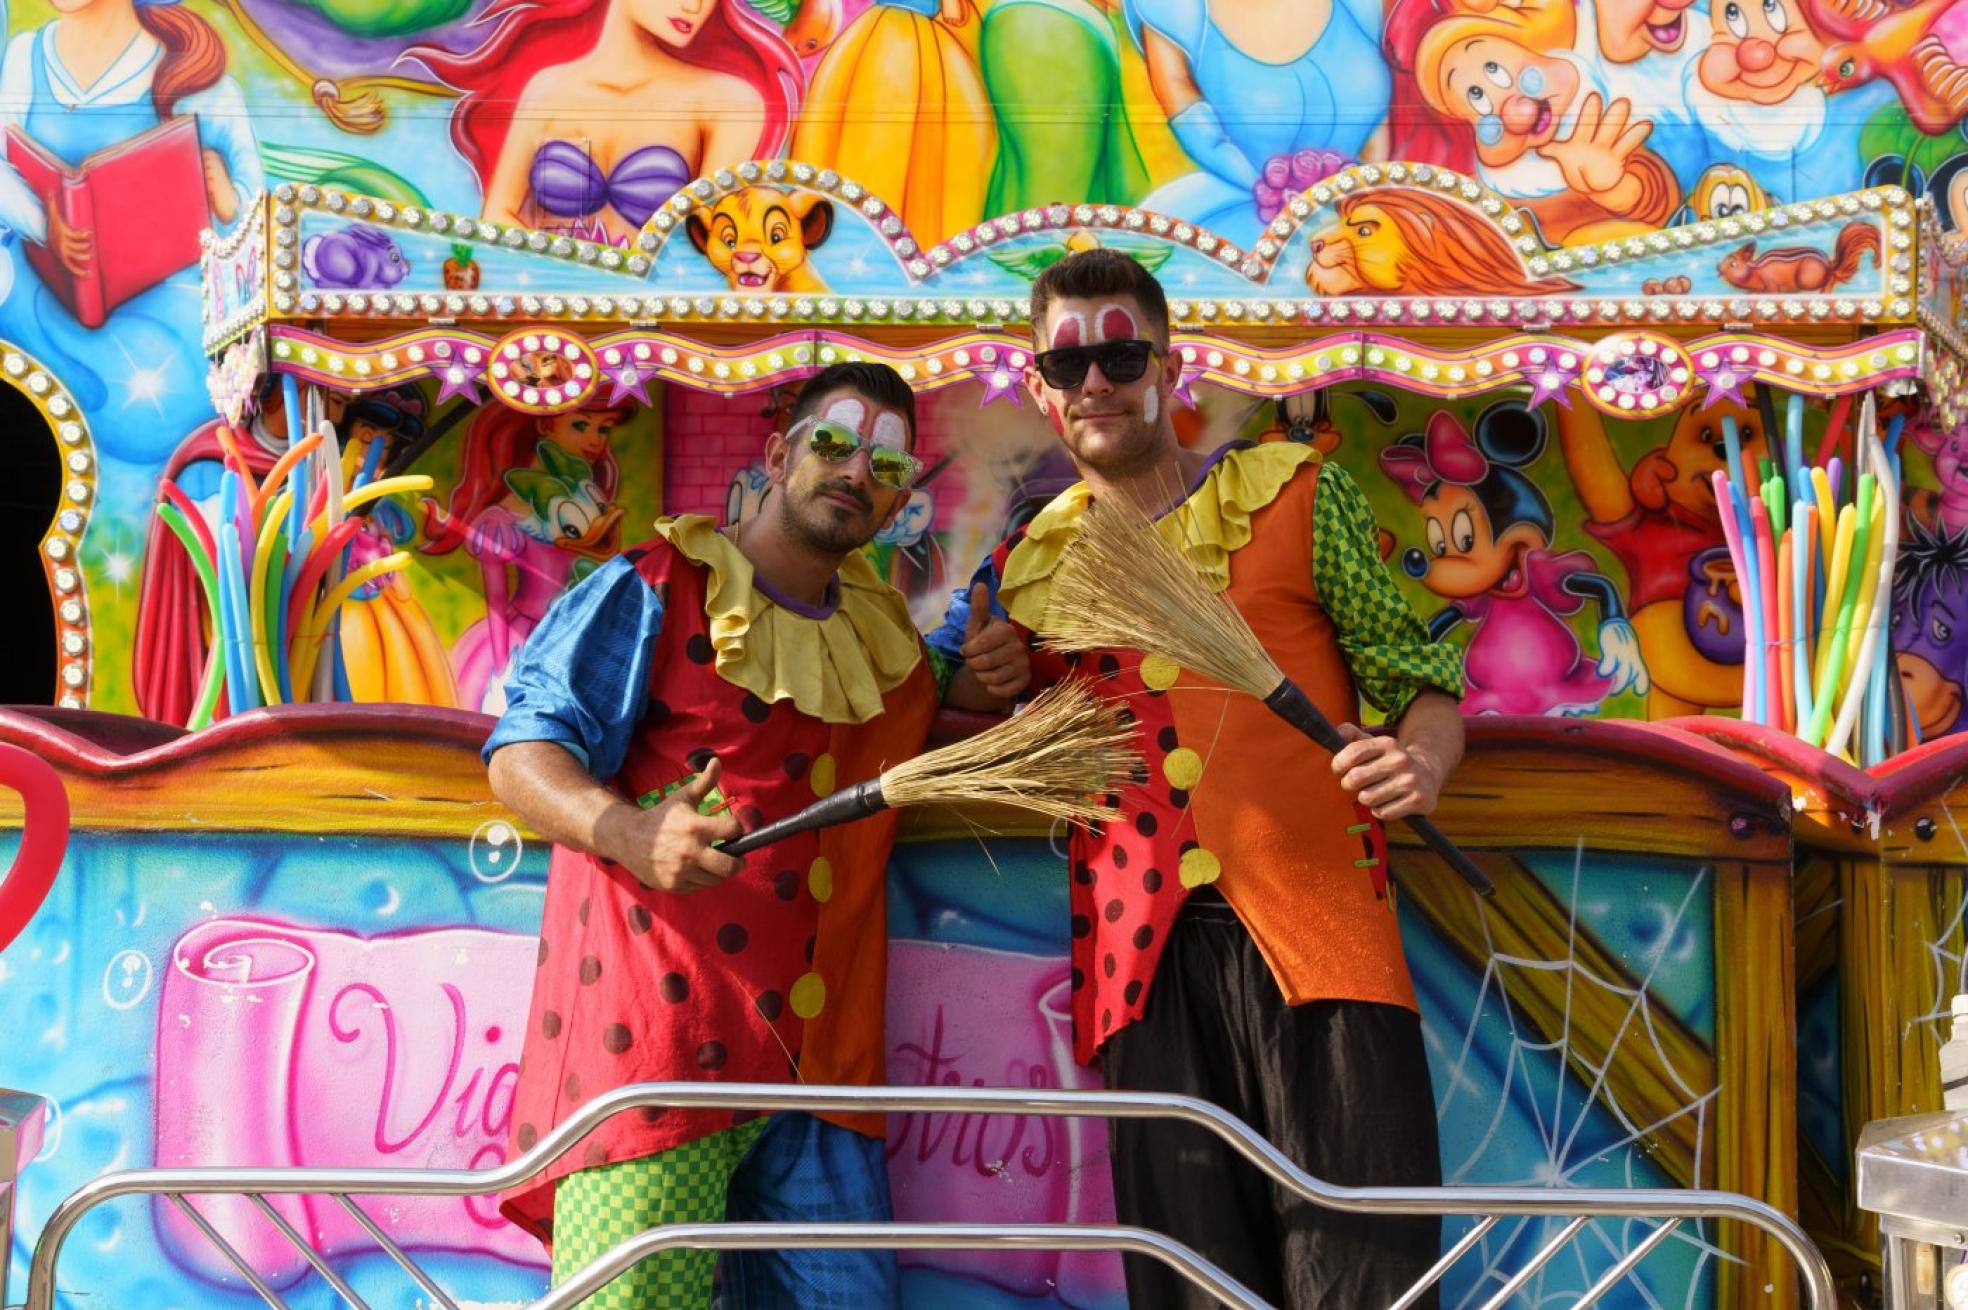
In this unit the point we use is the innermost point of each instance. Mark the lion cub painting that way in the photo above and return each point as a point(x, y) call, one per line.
point(760, 238)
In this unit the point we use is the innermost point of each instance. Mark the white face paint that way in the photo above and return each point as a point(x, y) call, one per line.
point(891, 430)
point(848, 410)
point(1151, 405)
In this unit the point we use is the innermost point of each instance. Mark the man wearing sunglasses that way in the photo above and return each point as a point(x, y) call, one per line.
point(690, 689)
point(1233, 936)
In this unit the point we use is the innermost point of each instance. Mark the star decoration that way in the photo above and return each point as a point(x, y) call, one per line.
point(998, 381)
point(1723, 384)
point(457, 380)
point(1181, 391)
point(1550, 383)
point(629, 381)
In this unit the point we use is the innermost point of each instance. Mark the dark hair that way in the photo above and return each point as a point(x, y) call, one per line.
point(1931, 561)
point(1101, 272)
point(876, 382)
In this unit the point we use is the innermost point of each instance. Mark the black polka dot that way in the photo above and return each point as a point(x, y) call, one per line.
point(809, 949)
point(573, 1087)
point(675, 988)
point(526, 1136)
point(1151, 881)
point(1126, 716)
point(1114, 911)
point(1082, 925)
point(1142, 936)
point(1178, 798)
point(1138, 771)
point(1144, 823)
point(710, 1055)
point(750, 816)
point(770, 1005)
point(640, 919)
point(786, 884)
point(590, 970)
point(595, 1156)
point(1079, 979)
point(1083, 873)
point(732, 937)
point(1166, 738)
point(1107, 965)
point(581, 911)
point(1119, 857)
point(795, 764)
point(1109, 666)
point(1132, 992)
point(1191, 845)
point(699, 649)
point(1106, 1018)
point(655, 709)
point(650, 1114)
point(550, 1025)
point(543, 951)
point(615, 1038)
point(698, 758)
point(754, 709)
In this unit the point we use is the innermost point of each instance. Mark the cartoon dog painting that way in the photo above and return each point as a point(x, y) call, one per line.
point(761, 238)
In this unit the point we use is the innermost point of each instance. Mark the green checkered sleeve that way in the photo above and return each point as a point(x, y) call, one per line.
point(1385, 643)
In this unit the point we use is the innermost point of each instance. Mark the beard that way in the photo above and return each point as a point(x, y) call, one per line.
point(1120, 448)
point(822, 525)
point(1777, 131)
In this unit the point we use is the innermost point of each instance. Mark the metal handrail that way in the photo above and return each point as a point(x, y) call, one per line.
point(1670, 1205)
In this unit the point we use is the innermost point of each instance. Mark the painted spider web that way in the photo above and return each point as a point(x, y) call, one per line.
point(1580, 1130)
point(1950, 967)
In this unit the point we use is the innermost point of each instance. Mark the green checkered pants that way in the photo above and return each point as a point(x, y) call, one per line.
point(597, 1209)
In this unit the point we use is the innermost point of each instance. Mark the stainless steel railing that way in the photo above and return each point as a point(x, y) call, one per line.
point(1670, 1207)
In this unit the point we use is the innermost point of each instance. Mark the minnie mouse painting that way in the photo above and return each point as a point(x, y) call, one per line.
point(1488, 533)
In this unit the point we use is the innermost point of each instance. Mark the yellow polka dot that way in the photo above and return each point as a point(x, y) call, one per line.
point(809, 995)
point(821, 775)
point(1160, 672)
point(1183, 768)
point(820, 879)
point(1197, 867)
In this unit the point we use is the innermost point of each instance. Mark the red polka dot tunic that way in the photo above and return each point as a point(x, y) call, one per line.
point(775, 976)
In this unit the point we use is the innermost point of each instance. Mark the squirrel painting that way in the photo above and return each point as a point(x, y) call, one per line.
point(1799, 268)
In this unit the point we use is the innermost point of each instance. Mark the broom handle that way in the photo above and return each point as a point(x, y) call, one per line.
point(845, 806)
point(1296, 708)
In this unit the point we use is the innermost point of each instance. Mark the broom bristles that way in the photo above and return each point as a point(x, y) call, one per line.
point(1122, 585)
point(1060, 756)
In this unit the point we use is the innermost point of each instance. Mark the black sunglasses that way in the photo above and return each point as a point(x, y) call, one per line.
point(1123, 360)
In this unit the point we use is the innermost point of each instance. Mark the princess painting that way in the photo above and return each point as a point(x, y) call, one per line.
point(621, 102)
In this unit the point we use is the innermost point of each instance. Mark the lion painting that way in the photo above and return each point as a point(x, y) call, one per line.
point(1415, 243)
point(760, 238)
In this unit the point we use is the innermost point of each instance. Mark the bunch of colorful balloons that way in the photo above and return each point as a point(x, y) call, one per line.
point(1813, 547)
point(274, 566)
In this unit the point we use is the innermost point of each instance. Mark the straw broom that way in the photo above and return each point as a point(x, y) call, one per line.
point(1053, 757)
point(1122, 585)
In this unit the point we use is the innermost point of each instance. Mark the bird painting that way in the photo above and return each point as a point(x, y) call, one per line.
point(1029, 261)
point(1921, 48)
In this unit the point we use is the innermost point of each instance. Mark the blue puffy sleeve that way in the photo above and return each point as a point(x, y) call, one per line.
point(582, 678)
point(1182, 21)
point(946, 641)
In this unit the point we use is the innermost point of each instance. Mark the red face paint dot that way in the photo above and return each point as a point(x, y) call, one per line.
point(1115, 323)
point(1066, 331)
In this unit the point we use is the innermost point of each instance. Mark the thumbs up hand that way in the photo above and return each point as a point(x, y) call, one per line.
point(992, 650)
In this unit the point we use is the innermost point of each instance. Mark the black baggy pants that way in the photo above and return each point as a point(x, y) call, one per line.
point(1341, 1087)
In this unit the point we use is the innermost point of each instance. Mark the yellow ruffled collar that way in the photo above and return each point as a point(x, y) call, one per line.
point(1209, 526)
point(836, 668)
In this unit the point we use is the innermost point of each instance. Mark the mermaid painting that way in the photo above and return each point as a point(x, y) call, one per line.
point(722, 84)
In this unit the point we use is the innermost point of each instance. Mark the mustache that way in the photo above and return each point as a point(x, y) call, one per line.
point(847, 489)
